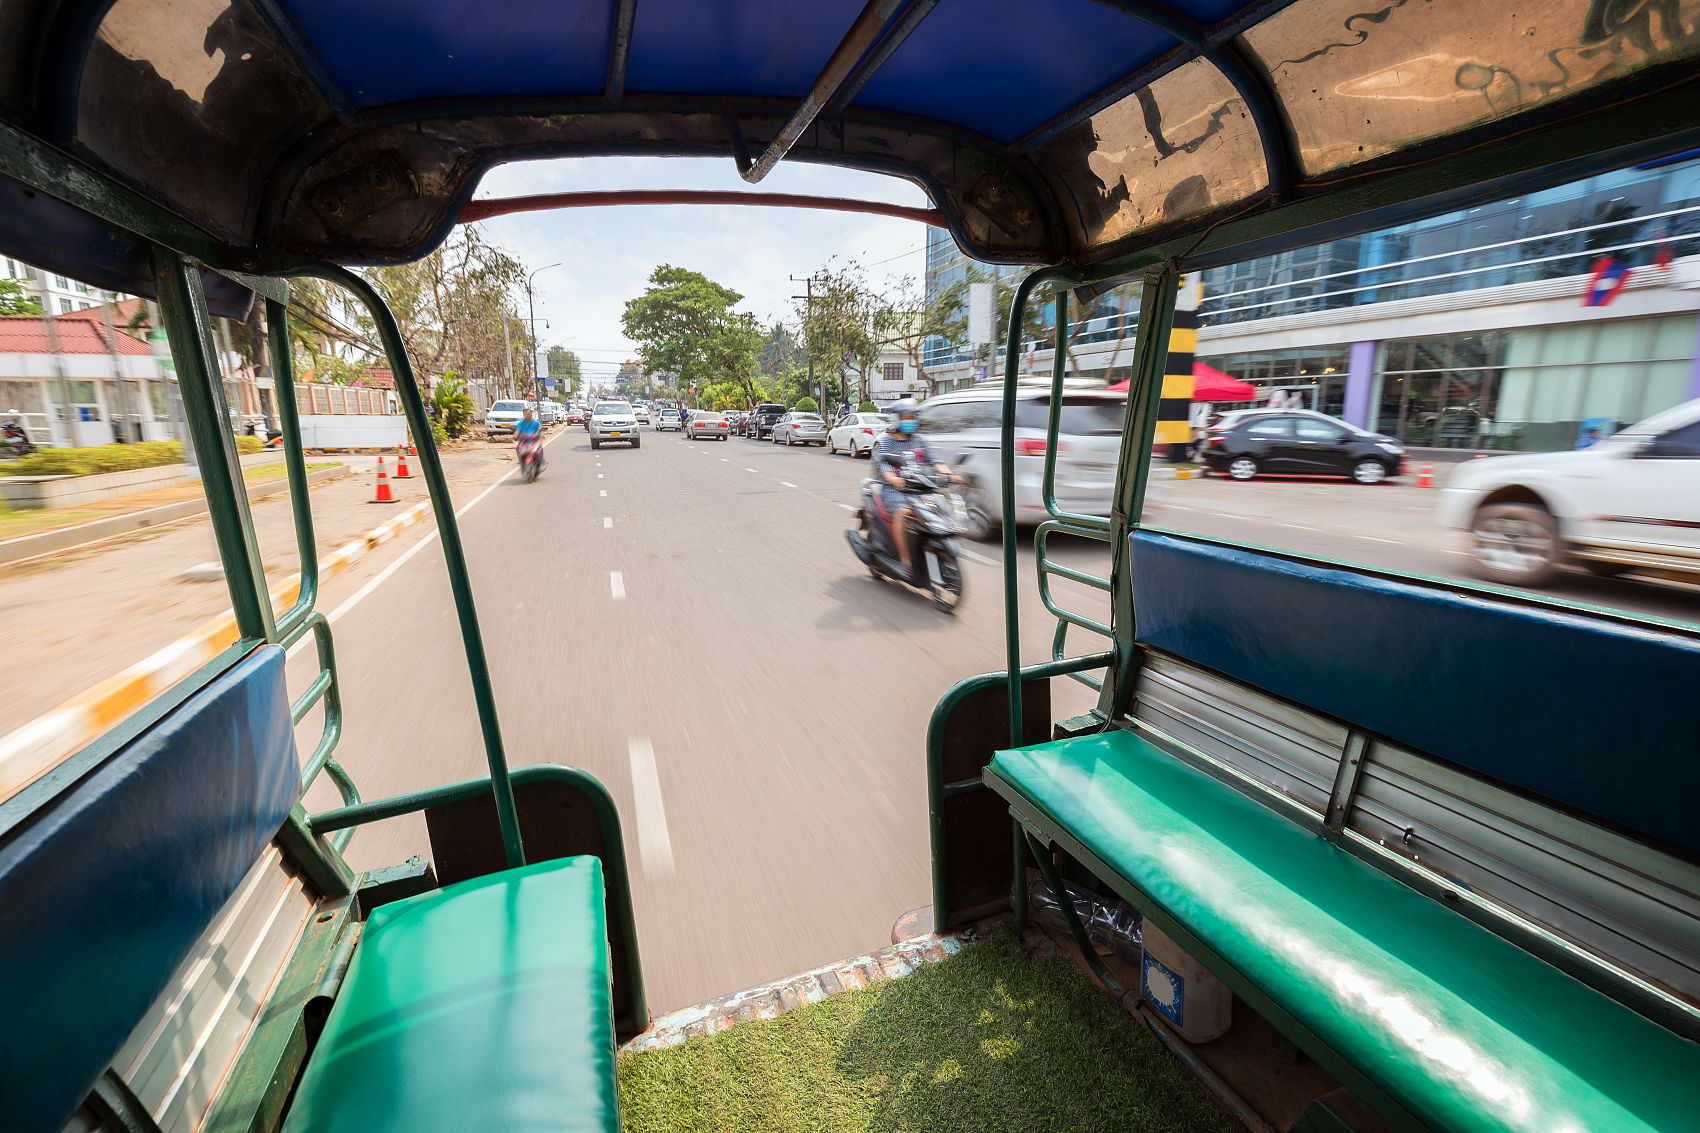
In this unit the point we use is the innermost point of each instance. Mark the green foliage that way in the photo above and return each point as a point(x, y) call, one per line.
point(807, 405)
point(867, 407)
point(15, 298)
point(100, 458)
point(246, 444)
point(723, 396)
point(563, 366)
point(988, 1040)
point(686, 325)
point(452, 408)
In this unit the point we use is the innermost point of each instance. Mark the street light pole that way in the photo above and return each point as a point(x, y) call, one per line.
point(531, 310)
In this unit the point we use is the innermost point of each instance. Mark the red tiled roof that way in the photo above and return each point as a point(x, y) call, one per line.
point(27, 334)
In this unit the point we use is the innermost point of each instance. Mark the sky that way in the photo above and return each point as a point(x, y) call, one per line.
point(606, 254)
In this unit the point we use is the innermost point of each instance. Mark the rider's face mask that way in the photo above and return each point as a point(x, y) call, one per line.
point(908, 425)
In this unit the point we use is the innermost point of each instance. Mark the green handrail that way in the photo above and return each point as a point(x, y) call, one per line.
point(1053, 422)
point(295, 462)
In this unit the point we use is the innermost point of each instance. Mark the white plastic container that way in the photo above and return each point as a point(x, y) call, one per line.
point(1191, 1000)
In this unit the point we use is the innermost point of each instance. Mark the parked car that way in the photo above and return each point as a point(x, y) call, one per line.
point(669, 420)
point(762, 419)
point(707, 423)
point(855, 433)
point(1630, 502)
point(964, 429)
point(614, 421)
point(502, 416)
point(1300, 444)
point(800, 429)
point(735, 419)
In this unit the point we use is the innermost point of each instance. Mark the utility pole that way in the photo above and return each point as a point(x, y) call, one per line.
point(531, 310)
point(508, 354)
point(52, 329)
point(809, 299)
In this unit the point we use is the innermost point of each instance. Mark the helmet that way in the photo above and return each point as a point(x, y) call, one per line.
point(903, 407)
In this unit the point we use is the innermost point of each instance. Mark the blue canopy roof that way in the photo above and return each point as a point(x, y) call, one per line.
point(1043, 130)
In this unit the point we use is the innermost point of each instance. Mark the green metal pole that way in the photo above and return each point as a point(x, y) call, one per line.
point(448, 530)
point(1145, 390)
point(183, 309)
point(295, 461)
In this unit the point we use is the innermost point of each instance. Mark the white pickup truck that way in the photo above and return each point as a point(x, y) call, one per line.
point(1630, 502)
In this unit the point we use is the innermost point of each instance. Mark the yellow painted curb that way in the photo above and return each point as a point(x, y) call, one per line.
point(29, 752)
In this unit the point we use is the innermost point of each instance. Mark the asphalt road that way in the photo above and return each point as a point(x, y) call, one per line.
point(686, 621)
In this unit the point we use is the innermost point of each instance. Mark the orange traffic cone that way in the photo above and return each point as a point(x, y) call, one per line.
point(412, 449)
point(1425, 478)
point(401, 472)
point(1404, 466)
point(384, 496)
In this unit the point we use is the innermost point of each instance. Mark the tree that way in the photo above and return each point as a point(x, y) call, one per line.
point(687, 327)
point(912, 318)
point(15, 299)
point(451, 406)
point(843, 323)
point(564, 368)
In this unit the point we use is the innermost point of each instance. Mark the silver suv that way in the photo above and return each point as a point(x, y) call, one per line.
point(614, 421)
point(963, 429)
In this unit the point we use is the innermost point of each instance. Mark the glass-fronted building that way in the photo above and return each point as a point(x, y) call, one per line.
point(1469, 330)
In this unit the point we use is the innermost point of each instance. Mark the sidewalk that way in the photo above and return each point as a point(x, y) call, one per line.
point(75, 619)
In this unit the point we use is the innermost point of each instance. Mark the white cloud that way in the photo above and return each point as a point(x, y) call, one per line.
point(606, 254)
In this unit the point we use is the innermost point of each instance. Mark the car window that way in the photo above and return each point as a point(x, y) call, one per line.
point(1312, 429)
point(1683, 442)
point(1080, 417)
point(613, 407)
point(1273, 427)
point(507, 407)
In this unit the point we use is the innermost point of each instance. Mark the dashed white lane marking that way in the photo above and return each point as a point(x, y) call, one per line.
point(1379, 539)
point(973, 556)
point(846, 507)
point(599, 475)
point(607, 521)
point(723, 460)
point(788, 483)
point(655, 848)
point(749, 470)
point(617, 584)
point(603, 492)
point(1301, 527)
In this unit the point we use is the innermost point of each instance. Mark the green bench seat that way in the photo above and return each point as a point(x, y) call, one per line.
point(1400, 995)
point(484, 1005)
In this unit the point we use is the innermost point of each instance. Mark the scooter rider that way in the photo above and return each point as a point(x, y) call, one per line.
point(899, 445)
point(527, 430)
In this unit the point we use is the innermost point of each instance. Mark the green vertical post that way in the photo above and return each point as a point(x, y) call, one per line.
point(1145, 390)
point(295, 461)
point(448, 530)
point(188, 328)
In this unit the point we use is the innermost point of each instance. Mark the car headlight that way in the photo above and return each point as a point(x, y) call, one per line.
point(1390, 449)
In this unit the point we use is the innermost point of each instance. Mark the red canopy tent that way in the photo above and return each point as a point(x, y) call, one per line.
point(1209, 384)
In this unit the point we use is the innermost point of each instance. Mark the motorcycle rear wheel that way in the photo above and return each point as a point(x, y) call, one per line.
point(947, 593)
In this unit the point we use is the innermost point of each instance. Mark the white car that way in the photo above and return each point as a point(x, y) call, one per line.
point(1629, 502)
point(856, 433)
point(642, 413)
point(614, 421)
point(503, 416)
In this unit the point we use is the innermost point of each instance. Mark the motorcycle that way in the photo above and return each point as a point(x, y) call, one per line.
point(14, 440)
point(936, 561)
point(531, 456)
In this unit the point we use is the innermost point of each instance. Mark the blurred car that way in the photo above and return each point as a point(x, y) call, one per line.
point(574, 417)
point(855, 433)
point(762, 419)
point(964, 429)
point(1300, 444)
point(735, 420)
point(1629, 502)
point(669, 420)
point(707, 423)
point(641, 412)
point(614, 421)
point(502, 416)
point(800, 429)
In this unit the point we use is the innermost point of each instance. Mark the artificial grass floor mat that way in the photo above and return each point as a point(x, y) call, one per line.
point(989, 1039)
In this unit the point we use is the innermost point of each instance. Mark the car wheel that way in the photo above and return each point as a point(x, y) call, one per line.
point(831, 447)
point(637, 442)
point(594, 443)
point(1515, 544)
point(790, 439)
point(977, 521)
point(1242, 468)
point(1369, 472)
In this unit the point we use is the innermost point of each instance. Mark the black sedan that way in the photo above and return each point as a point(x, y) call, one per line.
point(1301, 444)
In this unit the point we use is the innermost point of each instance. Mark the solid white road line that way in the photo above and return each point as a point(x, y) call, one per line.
point(788, 483)
point(655, 848)
point(617, 584)
point(974, 556)
point(607, 521)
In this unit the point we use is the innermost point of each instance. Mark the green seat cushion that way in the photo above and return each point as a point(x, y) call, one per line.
point(485, 1005)
point(1463, 1029)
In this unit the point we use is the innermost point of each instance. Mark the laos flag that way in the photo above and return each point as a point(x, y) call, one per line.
point(1610, 275)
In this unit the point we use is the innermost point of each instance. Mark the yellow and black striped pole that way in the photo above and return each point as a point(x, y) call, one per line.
point(1174, 410)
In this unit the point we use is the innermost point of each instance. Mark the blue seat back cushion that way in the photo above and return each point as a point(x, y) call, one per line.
point(104, 890)
point(1588, 713)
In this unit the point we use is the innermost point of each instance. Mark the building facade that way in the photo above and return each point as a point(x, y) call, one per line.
point(1469, 330)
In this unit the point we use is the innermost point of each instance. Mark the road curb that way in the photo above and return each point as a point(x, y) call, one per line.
point(62, 539)
point(30, 751)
